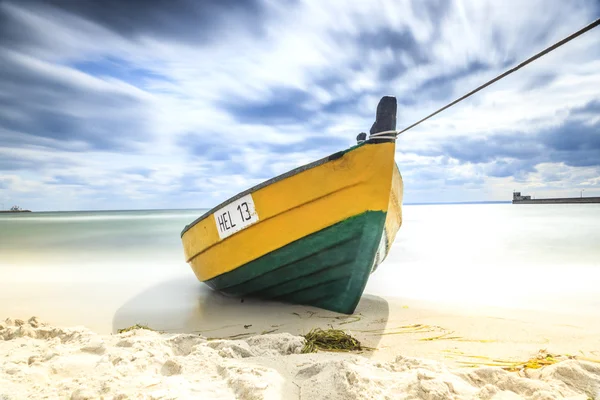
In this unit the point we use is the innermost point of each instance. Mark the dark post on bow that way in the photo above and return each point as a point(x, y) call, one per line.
point(385, 118)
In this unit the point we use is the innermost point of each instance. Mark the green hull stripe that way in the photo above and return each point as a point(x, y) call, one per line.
point(328, 269)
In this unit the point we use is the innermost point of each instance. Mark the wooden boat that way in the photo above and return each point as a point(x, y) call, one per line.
point(311, 236)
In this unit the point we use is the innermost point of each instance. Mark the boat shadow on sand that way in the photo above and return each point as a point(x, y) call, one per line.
point(184, 306)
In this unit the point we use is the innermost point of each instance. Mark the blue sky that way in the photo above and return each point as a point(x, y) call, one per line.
point(182, 104)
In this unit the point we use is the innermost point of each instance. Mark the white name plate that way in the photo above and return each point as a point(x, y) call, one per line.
point(236, 216)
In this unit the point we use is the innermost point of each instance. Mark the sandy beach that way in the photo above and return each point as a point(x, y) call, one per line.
point(252, 350)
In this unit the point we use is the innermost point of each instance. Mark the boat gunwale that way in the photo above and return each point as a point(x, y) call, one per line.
point(280, 177)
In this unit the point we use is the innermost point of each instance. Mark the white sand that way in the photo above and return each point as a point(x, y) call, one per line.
point(404, 364)
point(43, 361)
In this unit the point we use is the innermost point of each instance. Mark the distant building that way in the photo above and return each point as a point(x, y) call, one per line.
point(517, 196)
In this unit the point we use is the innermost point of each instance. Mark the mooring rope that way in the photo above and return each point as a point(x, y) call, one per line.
point(394, 134)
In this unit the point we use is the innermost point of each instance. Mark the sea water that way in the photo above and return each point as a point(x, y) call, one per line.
point(517, 255)
point(532, 256)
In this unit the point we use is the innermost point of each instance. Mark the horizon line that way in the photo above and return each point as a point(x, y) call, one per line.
point(207, 208)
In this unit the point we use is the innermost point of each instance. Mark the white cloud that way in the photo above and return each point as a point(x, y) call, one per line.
point(326, 50)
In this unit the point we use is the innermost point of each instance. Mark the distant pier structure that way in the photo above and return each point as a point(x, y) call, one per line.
point(520, 199)
point(14, 209)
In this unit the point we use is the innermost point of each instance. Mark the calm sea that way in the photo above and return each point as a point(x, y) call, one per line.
point(497, 254)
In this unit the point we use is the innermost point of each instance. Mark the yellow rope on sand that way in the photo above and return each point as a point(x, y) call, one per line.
point(540, 360)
